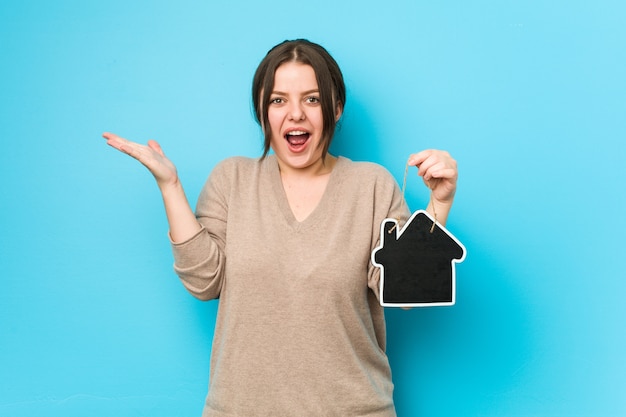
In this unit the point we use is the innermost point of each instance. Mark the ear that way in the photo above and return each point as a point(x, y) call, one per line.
point(338, 111)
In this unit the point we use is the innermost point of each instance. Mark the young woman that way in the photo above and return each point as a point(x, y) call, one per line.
point(284, 242)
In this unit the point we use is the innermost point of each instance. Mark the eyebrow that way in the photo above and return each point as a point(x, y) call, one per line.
point(281, 93)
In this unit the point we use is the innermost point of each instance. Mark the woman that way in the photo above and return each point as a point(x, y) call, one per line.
point(284, 242)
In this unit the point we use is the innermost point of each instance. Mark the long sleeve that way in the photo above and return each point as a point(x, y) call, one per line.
point(200, 261)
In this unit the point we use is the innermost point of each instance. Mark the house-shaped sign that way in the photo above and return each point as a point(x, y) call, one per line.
point(417, 263)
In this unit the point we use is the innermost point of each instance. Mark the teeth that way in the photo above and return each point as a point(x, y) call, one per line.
point(297, 132)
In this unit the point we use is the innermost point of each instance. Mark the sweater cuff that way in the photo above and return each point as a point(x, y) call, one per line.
point(189, 252)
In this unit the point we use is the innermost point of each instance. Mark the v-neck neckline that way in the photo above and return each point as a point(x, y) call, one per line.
point(283, 202)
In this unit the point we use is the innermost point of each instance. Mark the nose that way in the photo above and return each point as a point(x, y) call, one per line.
point(296, 112)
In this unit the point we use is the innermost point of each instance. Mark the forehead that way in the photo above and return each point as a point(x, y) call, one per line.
point(294, 75)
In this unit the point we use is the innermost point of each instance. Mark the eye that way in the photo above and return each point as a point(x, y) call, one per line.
point(276, 100)
point(312, 100)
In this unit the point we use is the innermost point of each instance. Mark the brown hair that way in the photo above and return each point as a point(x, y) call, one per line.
point(329, 80)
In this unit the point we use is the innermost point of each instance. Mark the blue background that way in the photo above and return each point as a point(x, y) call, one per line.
point(528, 96)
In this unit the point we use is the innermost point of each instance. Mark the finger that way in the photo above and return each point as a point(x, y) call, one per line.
point(431, 183)
point(428, 166)
point(132, 149)
point(424, 161)
point(109, 135)
point(114, 140)
point(431, 162)
point(154, 145)
point(121, 145)
point(416, 159)
point(444, 173)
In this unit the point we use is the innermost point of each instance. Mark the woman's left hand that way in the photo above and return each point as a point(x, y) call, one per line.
point(439, 172)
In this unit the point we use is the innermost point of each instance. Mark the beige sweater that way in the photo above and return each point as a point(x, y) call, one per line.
point(299, 329)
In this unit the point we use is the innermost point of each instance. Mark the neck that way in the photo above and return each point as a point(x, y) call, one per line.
point(323, 166)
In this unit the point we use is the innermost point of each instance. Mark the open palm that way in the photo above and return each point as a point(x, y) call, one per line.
point(150, 155)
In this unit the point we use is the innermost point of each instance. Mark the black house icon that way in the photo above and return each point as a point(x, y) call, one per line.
point(417, 263)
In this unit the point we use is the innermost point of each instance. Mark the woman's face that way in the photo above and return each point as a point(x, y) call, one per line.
point(295, 117)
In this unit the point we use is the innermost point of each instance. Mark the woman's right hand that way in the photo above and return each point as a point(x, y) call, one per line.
point(182, 220)
point(151, 156)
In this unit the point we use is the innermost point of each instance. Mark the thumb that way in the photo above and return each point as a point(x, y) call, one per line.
point(154, 145)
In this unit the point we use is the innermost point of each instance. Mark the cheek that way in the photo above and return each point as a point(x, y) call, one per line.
point(315, 117)
point(275, 125)
point(275, 120)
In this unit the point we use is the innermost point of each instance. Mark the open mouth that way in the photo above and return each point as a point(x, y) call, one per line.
point(297, 139)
